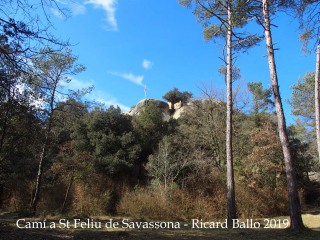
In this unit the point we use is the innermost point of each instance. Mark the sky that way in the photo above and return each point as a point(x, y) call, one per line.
point(128, 44)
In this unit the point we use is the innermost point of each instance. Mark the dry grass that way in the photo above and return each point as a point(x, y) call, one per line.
point(88, 200)
point(174, 203)
point(261, 202)
point(170, 204)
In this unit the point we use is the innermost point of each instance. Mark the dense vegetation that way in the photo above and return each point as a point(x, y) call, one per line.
point(101, 161)
point(62, 155)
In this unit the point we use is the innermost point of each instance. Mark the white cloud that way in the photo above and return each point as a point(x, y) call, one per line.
point(57, 13)
point(34, 99)
point(77, 8)
point(109, 7)
point(115, 103)
point(146, 64)
point(76, 84)
point(129, 76)
point(62, 2)
point(106, 99)
point(95, 95)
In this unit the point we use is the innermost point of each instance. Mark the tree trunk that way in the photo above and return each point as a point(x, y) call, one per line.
point(67, 193)
point(3, 133)
point(5, 123)
point(231, 204)
point(36, 195)
point(295, 209)
point(316, 99)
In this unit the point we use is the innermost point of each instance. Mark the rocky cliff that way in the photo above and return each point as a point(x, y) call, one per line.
point(179, 109)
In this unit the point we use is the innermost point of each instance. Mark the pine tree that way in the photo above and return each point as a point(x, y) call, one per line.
point(231, 16)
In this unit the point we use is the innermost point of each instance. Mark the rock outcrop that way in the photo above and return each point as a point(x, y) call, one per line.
point(163, 106)
point(179, 108)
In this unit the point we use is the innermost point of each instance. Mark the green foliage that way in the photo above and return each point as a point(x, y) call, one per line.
point(150, 127)
point(174, 96)
point(49, 72)
point(302, 100)
point(304, 154)
point(213, 31)
point(307, 14)
point(213, 16)
point(102, 153)
point(20, 131)
point(302, 103)
point(261, 97)
point(66, 117)
point(150, 119)
point(109, 135)
point(235, 72)
point(20, 134)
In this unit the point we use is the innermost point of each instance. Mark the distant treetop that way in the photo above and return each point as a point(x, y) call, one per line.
point(174, 96)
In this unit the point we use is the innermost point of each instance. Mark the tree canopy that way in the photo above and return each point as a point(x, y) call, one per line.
point(174, 96)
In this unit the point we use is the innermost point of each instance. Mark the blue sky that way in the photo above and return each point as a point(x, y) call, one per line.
point(126, 44)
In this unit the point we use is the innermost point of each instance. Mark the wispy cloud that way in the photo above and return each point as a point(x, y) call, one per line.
point(146, 64)
point(63, 2)
point(106, 99)
point(77, 8)
point(109, 6)
point(76, 84)
point(58, 13)
point(129, 76)
point(95, 95)
point(113, 102)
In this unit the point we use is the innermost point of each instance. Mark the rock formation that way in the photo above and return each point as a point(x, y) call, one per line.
point(179, 109)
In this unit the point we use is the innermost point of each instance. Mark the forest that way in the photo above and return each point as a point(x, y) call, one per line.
point(62, 155)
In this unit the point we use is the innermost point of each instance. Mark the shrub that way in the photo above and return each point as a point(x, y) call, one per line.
point(166, 204)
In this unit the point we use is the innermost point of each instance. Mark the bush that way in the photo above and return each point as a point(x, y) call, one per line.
point(174, 203)
point(167, 204)
point(89, 201)
point(261, 202)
